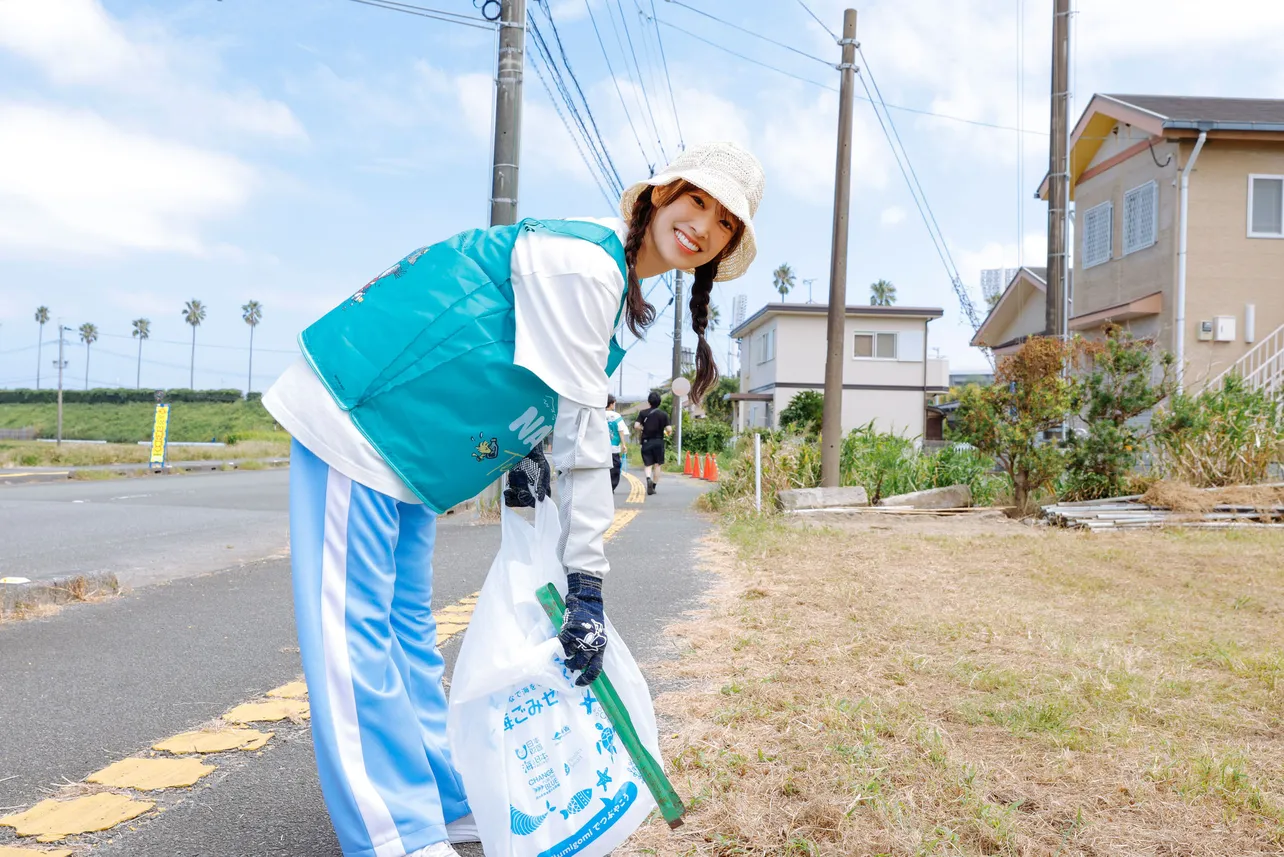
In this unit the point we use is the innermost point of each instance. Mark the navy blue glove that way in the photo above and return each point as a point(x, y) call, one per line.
point(583, 634)
point(529, 481)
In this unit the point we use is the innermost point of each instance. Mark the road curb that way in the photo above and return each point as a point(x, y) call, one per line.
point(19, 599)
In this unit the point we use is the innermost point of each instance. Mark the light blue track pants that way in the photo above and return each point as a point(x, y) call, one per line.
point(362, 602)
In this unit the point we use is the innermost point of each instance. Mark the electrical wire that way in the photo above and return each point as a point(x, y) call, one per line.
point(614, 80)
point(727, 23)
point(682, 144)
point(574, 139)
point(635, 90)
point(646, 96)
point(745, 58)
point(807, 9)
point(257, 349)
point(426, 12)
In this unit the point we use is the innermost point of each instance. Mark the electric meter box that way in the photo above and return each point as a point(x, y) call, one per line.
point(1205, 331)
point(1224, 328)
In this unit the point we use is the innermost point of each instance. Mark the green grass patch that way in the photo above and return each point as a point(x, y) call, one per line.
point(128, 423)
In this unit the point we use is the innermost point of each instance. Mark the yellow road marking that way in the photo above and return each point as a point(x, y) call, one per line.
point(4, 474)
point(51, 820)
point(637, 489)
point(151, 774)
point(290, 690)
point(213, 741)
point(11, 851)
point(622, 520)
point(276, 709)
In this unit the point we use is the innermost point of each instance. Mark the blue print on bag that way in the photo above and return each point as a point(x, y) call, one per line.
point(600, 823)
point(523, 824)
point(579, 802)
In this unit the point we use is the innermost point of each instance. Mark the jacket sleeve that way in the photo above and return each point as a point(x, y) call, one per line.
point(582, 461)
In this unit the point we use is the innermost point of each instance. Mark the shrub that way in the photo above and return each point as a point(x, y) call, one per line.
point(1007, 419)
point(116, 396)
point(1118, 389)
point(707, 435)
point(804, 412)
point(1227, 436)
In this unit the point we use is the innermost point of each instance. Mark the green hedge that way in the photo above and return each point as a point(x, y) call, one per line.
point(121, 396)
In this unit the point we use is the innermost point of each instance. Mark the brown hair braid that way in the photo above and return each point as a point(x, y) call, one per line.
point(638, 314)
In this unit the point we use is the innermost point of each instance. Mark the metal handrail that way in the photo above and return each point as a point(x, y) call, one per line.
point(1261, 367)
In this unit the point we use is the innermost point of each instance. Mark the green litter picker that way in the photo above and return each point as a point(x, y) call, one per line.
point(661, 789)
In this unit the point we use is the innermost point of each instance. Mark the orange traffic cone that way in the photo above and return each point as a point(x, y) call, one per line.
point(711, 472)
point(686, 468)
point(696, 471)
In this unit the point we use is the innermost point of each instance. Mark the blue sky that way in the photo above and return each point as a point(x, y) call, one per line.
point(154, 152)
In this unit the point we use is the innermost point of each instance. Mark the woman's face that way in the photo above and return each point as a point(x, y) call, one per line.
point(691, 230)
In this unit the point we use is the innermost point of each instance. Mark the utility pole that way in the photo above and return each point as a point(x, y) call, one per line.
point(509, 66)
point(1058, 174)
point(677, 324)
point(508, 112)
point(831, 427)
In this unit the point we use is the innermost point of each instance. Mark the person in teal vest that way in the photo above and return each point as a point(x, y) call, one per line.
point(448, 370)
point(619, 445)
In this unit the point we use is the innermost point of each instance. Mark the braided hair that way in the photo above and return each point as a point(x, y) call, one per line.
point(639, 314)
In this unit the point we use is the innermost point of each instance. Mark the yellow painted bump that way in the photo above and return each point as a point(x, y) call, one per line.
point(151, 774)
point(51, 820)
point(622, 519)
point(292, 690)
point(11, 851)
point(214, 741)
point(276, 709)
point(637, 489)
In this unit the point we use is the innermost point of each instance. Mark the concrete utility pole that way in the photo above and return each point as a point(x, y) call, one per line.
point(1058, 174)
point(831, 427)
point(677, 324)
point(508, 112)
point(508, 143)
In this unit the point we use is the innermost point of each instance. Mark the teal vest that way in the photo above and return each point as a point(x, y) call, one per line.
point(421, 358)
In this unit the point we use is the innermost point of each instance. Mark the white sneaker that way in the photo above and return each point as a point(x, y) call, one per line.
point(437, 849)
point(463, 829)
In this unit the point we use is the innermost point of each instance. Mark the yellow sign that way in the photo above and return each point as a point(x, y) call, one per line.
point(160, 434)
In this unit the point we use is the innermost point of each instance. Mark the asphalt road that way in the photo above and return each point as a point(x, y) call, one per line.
point(100, 682)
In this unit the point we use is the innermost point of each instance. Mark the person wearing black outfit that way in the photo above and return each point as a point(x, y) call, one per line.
point(653, 424)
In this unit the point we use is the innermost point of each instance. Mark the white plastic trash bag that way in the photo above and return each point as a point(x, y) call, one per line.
point(544, 772)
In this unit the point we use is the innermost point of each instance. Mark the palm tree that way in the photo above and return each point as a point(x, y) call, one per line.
point(142, 330)
point(882, 293)
point(193, 314)
point(714, 317)
point(252, 312)
point(42, 318)
point(88, 335)
point(783, 279)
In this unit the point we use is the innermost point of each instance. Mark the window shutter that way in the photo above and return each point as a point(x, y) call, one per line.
point(1140, 210)
point(1098, 229)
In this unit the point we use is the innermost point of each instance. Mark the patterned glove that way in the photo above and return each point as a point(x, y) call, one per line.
point(584, 626)
point(530, 480)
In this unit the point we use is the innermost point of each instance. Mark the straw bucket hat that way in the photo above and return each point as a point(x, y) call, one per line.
point(728, 173)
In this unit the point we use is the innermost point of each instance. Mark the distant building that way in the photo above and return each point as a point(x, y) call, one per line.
point(994, 281)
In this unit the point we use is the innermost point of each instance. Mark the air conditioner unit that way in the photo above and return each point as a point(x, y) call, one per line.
point(1224, 328)
point(1205, 331)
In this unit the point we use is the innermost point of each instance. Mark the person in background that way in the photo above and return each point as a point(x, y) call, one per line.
point(619, 447)
point(653, 426)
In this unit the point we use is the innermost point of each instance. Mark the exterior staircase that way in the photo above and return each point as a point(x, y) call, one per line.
point(1262, 367)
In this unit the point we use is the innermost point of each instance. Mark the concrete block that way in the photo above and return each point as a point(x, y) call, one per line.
point(822, 498)
point(952, 497)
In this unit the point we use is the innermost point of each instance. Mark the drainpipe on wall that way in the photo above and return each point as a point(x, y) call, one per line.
point(1181, 262)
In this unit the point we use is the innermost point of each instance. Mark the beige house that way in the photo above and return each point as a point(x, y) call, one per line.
point(887, 374)
point(1147, 173)
point(1018, 314)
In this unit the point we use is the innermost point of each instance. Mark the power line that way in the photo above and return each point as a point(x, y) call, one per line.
point(574, 139)
point(614, 80)
point(807, 9)
point(646, 97)
point(916, 191)
point(199, 344)
point(682, 144)
point(745, 58)
point(727, 23)
point(426, 12)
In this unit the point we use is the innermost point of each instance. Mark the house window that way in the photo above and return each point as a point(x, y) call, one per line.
point(1266, 206)
point(1141, 205)
point(1098, 230)
point(766, 345)
point(875, 346)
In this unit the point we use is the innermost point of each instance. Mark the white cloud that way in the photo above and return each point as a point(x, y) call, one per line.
point(176, 83)
point(74, 183)
point(996, 254)
point(892, 215)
